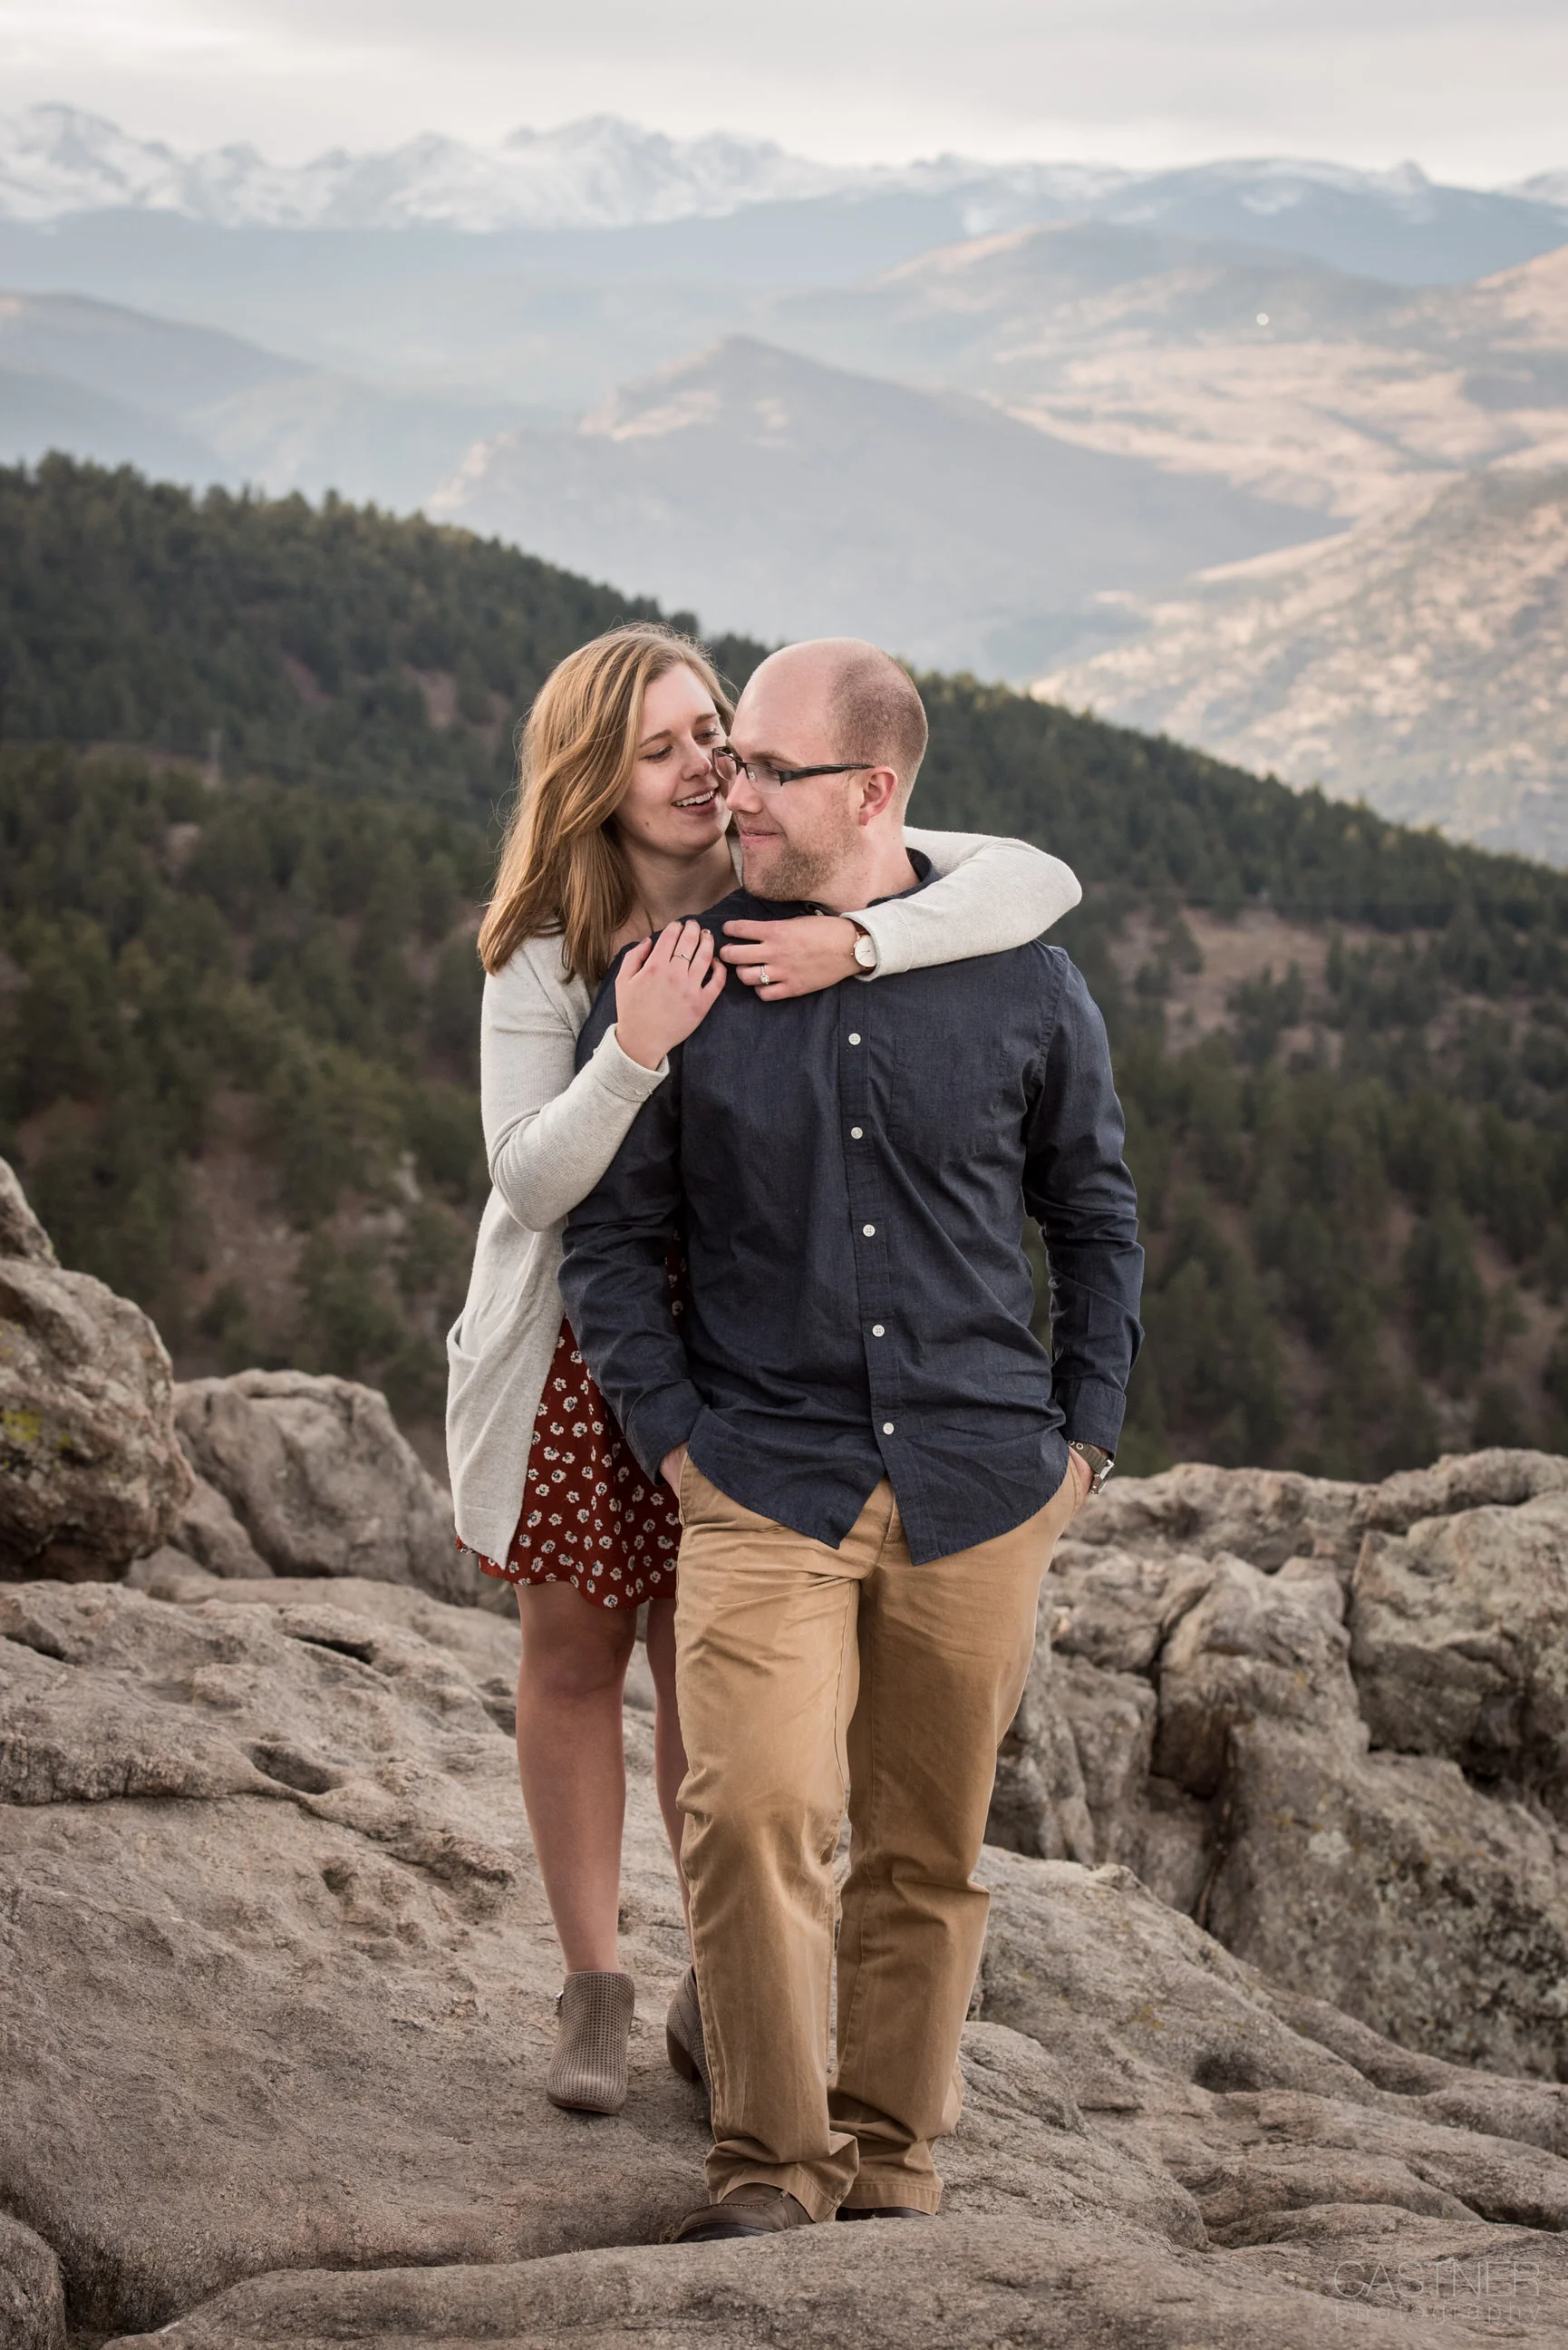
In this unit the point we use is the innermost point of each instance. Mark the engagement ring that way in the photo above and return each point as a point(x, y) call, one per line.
point(761, 974)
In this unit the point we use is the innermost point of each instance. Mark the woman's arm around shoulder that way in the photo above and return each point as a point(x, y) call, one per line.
point(549, 1134)
point(989, 894)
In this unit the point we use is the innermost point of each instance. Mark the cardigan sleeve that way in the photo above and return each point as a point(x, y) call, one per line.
point(550, 1135)
point(990, 894)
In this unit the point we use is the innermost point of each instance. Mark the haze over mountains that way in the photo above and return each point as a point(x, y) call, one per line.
point(999, 416)
point(604, 173)
point(197, 404)
point(750, 480)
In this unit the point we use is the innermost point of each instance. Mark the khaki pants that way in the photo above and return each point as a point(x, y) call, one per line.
point(804, 1671)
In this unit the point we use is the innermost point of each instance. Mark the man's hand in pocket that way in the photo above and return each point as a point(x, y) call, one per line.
point(671, 1465)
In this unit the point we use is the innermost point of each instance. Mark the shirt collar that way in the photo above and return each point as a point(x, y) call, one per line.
point(922, 865)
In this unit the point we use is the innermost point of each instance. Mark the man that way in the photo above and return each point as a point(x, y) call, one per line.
point(870, 1447)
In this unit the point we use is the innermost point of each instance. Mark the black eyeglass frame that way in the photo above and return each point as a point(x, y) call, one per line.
point(779, 776)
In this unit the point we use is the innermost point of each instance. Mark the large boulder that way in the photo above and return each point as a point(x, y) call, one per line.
point(21, 1233)
point(1460, 1633)
point(91, 1473)
point(1264, 1516)
point(276, 1998)
point(316, 1480)
point(32, 2299)
point(1460, 1481)
point(1330, 1722)
point(1388, 1886)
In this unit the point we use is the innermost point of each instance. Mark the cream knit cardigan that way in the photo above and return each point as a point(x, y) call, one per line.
point(550, 1135)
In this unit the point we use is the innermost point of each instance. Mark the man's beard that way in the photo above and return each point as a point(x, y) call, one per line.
point(803, 868)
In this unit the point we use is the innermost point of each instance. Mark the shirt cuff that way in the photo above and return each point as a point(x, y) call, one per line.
point(1093, 1411)
point(620, 1075)
point(661, 1421)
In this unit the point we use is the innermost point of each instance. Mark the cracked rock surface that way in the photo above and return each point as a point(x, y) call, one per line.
point(277, 1984)
point(91, 1473)
point(32, 2299)
point(1330, 1723)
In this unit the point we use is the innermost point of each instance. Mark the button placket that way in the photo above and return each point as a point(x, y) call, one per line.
point(868, 1224)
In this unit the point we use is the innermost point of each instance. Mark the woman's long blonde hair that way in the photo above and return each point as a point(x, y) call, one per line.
point(562, 867)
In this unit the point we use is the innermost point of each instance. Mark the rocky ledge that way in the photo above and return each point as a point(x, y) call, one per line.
point(278, 1991)
point(1330, 1723)
point(1266, 2047)
point(104, 1459)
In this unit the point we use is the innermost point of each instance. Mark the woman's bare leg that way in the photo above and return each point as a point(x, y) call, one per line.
point(669, 1747)
point(572, 1761)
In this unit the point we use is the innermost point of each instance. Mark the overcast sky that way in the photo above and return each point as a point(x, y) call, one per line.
point(1474, 93)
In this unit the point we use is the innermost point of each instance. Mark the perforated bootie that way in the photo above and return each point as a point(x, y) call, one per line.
point(588, 2072)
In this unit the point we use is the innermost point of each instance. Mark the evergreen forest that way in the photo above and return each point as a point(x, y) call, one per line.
point(254, 759)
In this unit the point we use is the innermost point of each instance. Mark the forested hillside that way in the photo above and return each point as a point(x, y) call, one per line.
point(251, 760)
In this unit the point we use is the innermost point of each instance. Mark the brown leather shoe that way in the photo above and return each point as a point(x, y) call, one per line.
point(885, 2211)
point(683, 2042)
point(750, 2210)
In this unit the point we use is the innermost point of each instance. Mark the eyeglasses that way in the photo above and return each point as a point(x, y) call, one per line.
point(728, 764)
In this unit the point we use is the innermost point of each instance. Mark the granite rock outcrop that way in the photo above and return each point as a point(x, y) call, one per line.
point(312, 1473)
point(1330, 1722)
point(1268, 2041)
point(278, 1983)
point(32, 2298)
point(91, 1473)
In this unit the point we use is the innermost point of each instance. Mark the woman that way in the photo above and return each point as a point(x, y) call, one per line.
point(620, 829)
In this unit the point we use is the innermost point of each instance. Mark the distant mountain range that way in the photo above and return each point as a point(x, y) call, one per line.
point(604, 173)
point(1420, 662)
point(1280, 375)
point(752, 484)
point(750, 481)
point(598, 173)
point(1034, 421)
point(194, 404)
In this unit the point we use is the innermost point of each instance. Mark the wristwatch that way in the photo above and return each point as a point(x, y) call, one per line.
point(1100, 1463)
point(865, 949)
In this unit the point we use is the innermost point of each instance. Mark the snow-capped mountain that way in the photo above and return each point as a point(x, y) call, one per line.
point(604, 173)
point(1545, 188)
point(599, 173)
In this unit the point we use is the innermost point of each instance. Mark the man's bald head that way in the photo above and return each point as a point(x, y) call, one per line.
point(867, 702)
point(849, 717)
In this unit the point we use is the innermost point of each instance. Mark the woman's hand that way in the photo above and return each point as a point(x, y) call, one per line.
point(665, 989)
point(793, 958)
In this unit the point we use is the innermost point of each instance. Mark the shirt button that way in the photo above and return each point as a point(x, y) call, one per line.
point(855, 1132)
point(887, 1428)
point(869, 1231)
point(852, 1037)
point(878, 1331)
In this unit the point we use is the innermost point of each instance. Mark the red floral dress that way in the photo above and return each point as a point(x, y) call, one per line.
point(590, 1516)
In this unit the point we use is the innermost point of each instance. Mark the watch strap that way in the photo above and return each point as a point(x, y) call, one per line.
point(1100, 1462)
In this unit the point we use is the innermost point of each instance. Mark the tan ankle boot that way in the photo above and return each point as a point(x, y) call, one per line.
point(588, 2072)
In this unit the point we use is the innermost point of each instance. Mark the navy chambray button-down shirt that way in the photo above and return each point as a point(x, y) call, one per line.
point(851, 1172)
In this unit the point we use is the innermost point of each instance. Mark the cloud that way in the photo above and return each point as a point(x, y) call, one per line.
point(1472, 92)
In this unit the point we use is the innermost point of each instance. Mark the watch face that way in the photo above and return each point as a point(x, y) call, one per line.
point(866, 954)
